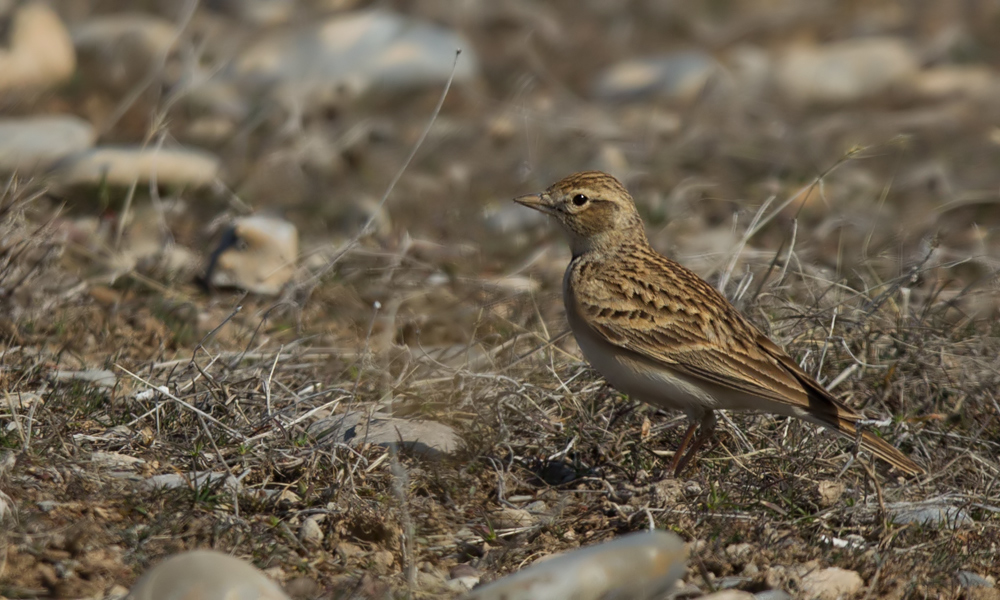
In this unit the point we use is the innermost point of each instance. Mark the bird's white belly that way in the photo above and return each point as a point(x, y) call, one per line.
point(640, 378)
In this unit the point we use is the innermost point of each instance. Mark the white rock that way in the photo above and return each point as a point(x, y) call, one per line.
point(40, 52)
point(257, 254)
point(110, 460)
point(119, 50)
point(310, 532)
point(349, 54)
point(845, 71)
point(680, 75)
point(831, 584)
point(31, 143)
point(205, 575)
point(123, 165)
point(633, 565)
point(98, 377)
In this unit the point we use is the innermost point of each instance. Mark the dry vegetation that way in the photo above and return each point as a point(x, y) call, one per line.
point(864, 242)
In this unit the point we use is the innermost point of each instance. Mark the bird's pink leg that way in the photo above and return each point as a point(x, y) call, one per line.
point(707, 428)
point(680, 449)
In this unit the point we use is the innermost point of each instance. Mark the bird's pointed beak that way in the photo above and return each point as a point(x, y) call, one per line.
point(540, 202)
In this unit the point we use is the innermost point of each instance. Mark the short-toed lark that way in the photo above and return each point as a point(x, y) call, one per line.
point(660, 333)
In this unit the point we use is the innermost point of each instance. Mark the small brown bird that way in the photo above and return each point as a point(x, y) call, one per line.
point(660, 333)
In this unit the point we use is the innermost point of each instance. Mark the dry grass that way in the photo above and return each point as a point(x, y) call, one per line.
point(537, 425)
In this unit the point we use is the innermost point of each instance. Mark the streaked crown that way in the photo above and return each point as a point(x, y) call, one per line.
point(593, 207)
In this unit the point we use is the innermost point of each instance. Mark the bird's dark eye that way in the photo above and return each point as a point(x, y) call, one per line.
point(580, 199)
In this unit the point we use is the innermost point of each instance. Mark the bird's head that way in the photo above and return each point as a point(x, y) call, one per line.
point(594, 209)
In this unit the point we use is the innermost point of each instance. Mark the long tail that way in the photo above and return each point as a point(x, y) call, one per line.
point(880, 448)
point(823, 409)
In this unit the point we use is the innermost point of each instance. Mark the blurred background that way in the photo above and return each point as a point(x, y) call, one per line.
point(304, 110)
point(213, 179)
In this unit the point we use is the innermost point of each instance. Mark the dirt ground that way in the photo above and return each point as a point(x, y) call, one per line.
point(859, 233)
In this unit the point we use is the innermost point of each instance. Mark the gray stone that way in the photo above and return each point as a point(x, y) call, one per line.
point(772, 595)
point(124, 165)
point(119, 50)
point(845, 71)
point(351, 54)
point(205, 575)
point(257, 254)
point(968, 579)
point(31, 143)
point(39, 53)
point(680, 75)
point(429, 439)
point(638, 565)
point(831, 584)
point(928, 514)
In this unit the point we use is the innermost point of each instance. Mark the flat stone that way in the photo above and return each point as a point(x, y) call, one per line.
point(40, 52)
point(257, 254)
point(968, 579)
point(110, 460)
point(97, 377)
point(637, 564)
point(34, 143)
point(354, 53)
point(117, 50)
point(772, 595)
point(429, 439)
point(831, 584)
point(680, 75)
point(845, 71)
point(124, 165)
point(511, 518)
point(728, 595)
point(198, 479)
point(205, 575)
point(928, 514)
